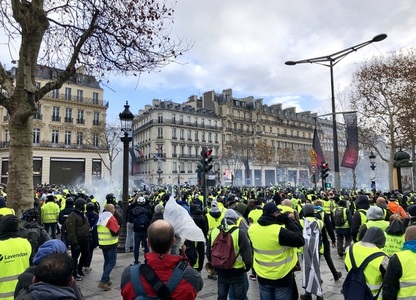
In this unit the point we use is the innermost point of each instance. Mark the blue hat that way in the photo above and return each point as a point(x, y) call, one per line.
point(49, 247)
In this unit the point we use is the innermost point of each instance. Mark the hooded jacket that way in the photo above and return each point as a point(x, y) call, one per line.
point(41, 291)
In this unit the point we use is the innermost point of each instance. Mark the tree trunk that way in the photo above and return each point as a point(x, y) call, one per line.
point(20, 194)
point(354, 179)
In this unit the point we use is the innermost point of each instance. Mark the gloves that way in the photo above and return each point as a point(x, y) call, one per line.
point(75, 247)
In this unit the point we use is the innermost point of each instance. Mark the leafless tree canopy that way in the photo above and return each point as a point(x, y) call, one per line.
point(105, 37)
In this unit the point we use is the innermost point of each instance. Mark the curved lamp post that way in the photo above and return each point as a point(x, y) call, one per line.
point(126, 120)
point(330, 61)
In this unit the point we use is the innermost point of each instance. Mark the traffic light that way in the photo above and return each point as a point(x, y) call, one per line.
point(206, 160)
point(324, 170)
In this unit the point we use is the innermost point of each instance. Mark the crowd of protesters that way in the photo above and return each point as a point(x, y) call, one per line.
point(279, 231)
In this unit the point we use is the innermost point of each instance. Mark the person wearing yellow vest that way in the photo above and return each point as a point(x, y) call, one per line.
point(360, 215)
point(400, 278)
point(275, 239)
point(343, 231)
point(215, 216)
point(372, 242)
point(256, 212)
point(108, 231)
point(395, 235)
point(232, 280)
point(50, 215)
point(15, 255)
point(5, 210)
point(375, 219)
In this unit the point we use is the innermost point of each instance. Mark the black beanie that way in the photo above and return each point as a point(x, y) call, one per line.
point(79, 204)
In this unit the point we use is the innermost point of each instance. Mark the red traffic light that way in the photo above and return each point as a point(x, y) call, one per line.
point(325, 165)
point(208, 152)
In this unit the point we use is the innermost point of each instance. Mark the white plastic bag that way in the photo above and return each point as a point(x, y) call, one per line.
point(184, 226)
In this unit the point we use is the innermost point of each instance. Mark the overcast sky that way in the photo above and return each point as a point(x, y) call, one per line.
point(243, 44)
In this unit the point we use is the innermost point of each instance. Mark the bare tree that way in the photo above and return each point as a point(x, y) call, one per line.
point(110, 36)
point(107, 138)
point(379, 88)
point(238, 152)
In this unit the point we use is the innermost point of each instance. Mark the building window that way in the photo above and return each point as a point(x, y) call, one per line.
point(216, 137)
point(174, 150)
point(203, 136)
point(55, 136)
point(95, 140)
point(80, 95)
point(68, 115)
point(174, 167)
point(174, 118)
point(38, 115)
point(94, 98)
point(182, 134)
point(189, 150)
point(55, 114)
point(181, 119)
point(36, 136)
point(189, 135)
point(160, 118)
point(67, 138)
point(80, 118)
point(196, 121)
point(55, 93)
point(80, 138)
point(203, 122)
point(182, 150)
point(6, 136)
point(189, 120)
point(209, 136)
point(67, 93)
point(196, 136)
point(160, 133)
point(96, 120)
point(189, 167)
point(174, 133)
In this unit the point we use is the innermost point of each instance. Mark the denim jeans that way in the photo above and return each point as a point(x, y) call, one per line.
point(246, 286)
point(52, 227)
point(129, 236)
point(110, 259)
point(270, 292)
point(140, 238)
point(234, 283)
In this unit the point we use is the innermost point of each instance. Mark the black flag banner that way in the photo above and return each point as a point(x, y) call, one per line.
point(350, 158)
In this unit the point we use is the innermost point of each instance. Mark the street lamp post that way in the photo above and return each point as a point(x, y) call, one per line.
point(159, 171)
point(372, 158)
point(126, 119)
point(330, 61)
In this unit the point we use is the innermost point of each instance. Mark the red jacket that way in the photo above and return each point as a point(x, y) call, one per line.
point(164, 266)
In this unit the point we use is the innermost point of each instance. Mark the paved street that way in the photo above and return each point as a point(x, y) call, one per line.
point(91, 291)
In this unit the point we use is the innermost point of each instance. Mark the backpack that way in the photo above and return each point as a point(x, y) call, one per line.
point(355, 286)
point(222, 252)
point(339, 219)
point(33, 236)
point(141, 223)
point(163, 290)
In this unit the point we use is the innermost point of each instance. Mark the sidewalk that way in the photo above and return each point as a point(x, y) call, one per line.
point(332, 289)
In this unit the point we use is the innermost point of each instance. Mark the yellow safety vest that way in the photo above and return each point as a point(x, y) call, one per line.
point(394, 244)
point(372, 272)
point(344, 214)
point(408, 280)
point(6, 211)
point(326, 205)
point(213, 223)
point(15, 260)
point(255, 214)
point(379, 224)
point(50, 212)
point(271, 260)
point(104, 236)
point(238, 264)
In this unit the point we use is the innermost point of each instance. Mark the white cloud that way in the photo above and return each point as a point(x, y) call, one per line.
point(243, 44)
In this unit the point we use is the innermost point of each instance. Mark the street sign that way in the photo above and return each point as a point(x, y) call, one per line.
point(328, 185)
point(314, 169)
point(312, 155)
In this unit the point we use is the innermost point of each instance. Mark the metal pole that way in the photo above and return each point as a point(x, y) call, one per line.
point(337, 179)
point(123, 229)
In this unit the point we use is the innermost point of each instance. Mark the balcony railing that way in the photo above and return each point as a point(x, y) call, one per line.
point(56, 118)
point(80, 121)
point(69, 120)
point(66, 97)
point(45, 144)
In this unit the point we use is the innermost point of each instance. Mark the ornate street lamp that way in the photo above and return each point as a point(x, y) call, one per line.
point(330, 61)
point(372, 158)
point(126, 120)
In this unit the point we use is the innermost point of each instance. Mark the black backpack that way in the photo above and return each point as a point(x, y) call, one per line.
point(141, 223)
point(355, 286)
point(339, 219)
